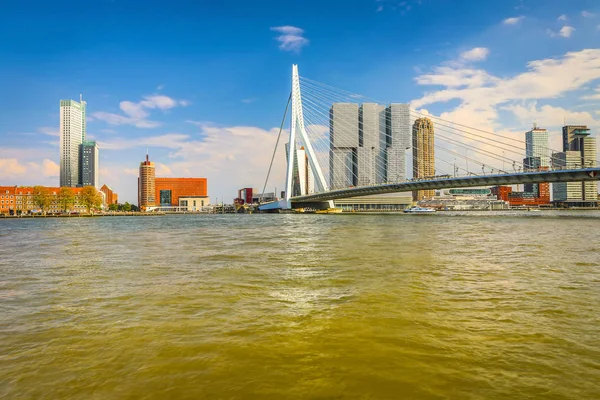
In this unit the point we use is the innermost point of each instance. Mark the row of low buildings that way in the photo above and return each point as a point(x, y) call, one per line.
point(170, 194)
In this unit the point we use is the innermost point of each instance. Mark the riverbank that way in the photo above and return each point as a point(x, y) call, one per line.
point(116, 214)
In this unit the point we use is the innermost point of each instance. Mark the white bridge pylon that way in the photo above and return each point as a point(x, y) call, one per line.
point(297, 128)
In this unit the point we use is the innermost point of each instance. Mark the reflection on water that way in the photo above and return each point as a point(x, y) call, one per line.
point(465, 306)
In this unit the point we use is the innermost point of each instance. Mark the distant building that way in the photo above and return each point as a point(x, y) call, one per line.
point(111, 196)
point(375, 203)
point(344, 142)
point(423, 155)
point(537, 157)
point(147, 185)
point(168, 191)
point(245, 195)
point(72, 134)
point(579, 151)
point(193, 203)
point(88, 164)
point(520, 199)
point(465, 199)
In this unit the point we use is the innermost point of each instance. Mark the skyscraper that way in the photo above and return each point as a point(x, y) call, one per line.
point(147, 185)
point(579, 151)
point(72, 134)
point(368, 143)
point(536, 156)
point(344, 142)
point(88, 164)
point(423, 154)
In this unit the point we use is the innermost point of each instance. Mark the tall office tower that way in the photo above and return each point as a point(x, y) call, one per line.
point(371, 130)
point(397, 141)
point(147, 184)
point(305, 175)
point(88, 163)
point(344, 142)
point(536, 155)
point(577, 138)
point(423, 154)
point(536, 145)
point(72, 134)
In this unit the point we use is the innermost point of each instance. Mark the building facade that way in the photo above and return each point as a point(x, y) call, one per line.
point(88, 164)
point(579, 151)
point(423, 155)
point(147, 185)
point(168, 191)
point(193, 203)
point(368, 144)
point(111, 197)
point(72, 134)
point(16, 200)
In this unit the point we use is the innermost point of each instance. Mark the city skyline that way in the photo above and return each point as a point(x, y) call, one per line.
point(198, 119)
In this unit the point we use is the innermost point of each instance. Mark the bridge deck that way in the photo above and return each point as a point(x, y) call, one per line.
point(575, 175)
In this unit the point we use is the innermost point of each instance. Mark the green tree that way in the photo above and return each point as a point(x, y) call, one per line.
point(126, 207)
point(113, 207)
point(66, 198)
point(42, 198)
point(90, 197)
point(134, 207)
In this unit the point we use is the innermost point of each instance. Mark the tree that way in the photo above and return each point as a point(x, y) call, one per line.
point(90, 197)
point(66, 198)
point(42, 198)
point(126, 207)
point(134, 207)
point(113, 207)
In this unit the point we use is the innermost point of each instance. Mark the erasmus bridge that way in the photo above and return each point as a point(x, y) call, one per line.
point(339, 149)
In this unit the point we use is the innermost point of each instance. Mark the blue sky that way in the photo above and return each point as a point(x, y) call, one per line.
point(203, 84)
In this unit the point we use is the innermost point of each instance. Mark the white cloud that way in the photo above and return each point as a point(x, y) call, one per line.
point(291, 38)
point(562, 18)
point(587, 14)
point(475, 54)
point(23, 173)
point(46, 130)
point(136, 113)
point(249, 100)
point(565, 31)
point(595, 96)
point(513, 20)
point(482, 96)
point(161, 87)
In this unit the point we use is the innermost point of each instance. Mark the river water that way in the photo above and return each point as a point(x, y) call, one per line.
point(449, 306)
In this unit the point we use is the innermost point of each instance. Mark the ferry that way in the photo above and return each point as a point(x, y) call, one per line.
point(419, 210)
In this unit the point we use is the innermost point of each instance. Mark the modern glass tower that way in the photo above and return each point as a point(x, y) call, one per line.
point(88, 163)
point(72, 134)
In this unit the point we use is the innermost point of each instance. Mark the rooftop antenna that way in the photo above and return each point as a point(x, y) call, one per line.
point(80, 98)
point(147, 154)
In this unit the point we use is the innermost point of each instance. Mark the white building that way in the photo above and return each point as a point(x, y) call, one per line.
point(536, 145)
point(72, 134)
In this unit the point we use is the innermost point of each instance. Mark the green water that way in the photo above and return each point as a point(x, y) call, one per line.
point(474, 306)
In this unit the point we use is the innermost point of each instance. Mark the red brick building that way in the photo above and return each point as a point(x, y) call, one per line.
point(169, 190)
point(19, 200)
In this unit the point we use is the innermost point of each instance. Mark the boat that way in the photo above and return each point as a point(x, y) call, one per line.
point(329, 211)
point(419, 210)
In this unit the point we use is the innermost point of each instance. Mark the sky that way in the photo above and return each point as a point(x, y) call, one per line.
point(203, 84)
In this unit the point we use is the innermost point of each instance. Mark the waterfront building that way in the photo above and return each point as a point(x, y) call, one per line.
point(344, 141)
point(368, 143)
point(398, 140)
point(465, 199)
point(423, 154)
point(168, 191)
point(520, 199)
point(375, 203)
point(15, 200)
point(146, 185)
point(111, 196)
point(536, 145)
point(88, 164)
point(193, 203)
point(579, 151)
point(245, 195)
point(72, 134)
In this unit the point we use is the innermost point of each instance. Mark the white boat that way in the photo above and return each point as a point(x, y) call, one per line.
point(419, 210)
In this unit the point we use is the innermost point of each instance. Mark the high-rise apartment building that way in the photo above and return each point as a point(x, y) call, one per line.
point(88, 164)
point(398, 141)
point(147, 185)
point(579, 151)
point(423, 154)
point(72, 134)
